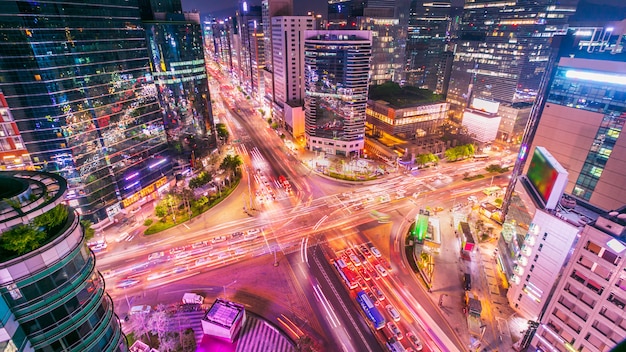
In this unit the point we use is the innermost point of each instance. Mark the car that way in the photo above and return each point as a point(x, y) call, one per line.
point(355, 260)
point(223, 255)
point(200, 244)
point(366, 251)
point(385, 263)
point(349, 252)
point(156, 256)
point(177, 250)
point(218, 239)
point(414, 340)
point(366, 275)
point(381, 270)
point(375, 252)
point(362, 283)
point(393, 312)
point(182, 255)
point(179, 269)
point(252, 234)
point(394, 329)
point(237, 235)
point(378, 292)
point(126, 283)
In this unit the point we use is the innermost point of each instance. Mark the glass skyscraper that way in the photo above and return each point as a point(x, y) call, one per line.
point(177, 62)
point(76, 77)
point(426, 46)
point(51, 296)
point(503, 49)
point(336, 66)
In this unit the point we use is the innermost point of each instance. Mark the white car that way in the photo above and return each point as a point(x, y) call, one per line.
point(156, 256)
point(393, 312)
point(375, 252)
point(355, 260)
point(414, 340)
point(381, 270)
point(394, 329)
point(218, 239)
point(252, 234)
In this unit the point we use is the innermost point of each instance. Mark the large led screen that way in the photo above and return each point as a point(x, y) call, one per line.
point(546, 176)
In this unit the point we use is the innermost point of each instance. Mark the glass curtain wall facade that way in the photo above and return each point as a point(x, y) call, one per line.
point(503, 48)
point(336, 86)
point(76, 77)
point(51, 297)
point(177, 62)
point(426, 45)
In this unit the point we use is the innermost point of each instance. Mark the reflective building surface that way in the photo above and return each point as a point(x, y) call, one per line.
point(336, 83)
point(76, 78)
point(51, 296)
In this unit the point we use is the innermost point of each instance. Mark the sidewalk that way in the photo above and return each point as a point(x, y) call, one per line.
point(502, 328)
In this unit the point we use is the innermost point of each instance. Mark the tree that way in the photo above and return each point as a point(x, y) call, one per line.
point(160, 210)
point(158, 322)
point(22, 239)
point(167, 343)
point(222, 132)
point(231, 163)
point(52, 218)
point(87, 229)
point(139, 325)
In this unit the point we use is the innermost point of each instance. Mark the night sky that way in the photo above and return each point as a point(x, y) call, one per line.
point(224, 8)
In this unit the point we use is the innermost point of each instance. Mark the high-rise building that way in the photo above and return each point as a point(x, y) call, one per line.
point(387, 20)
point(253, 58)
point(51, 296)
point(177, 62)
point(428, 35)
point(288, 41)
point(336, 94)
point(586, 312)
point(269, 9)
point(585, 103)
point(77, 82)
point(502, 49)
point(13, 153)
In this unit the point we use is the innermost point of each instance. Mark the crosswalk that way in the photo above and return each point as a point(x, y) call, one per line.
point(256, 335)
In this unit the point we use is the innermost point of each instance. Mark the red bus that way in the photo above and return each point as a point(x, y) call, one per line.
point(348, 276)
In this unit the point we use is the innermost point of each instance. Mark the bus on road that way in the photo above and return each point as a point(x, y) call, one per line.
point(372, 314)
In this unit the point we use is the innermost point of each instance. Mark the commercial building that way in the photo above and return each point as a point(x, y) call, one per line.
point(13, 153)
point(586, 312)
point(415, 119)
point(586, 108)
point(177, 62)
point(51, 296)
point(336, 83)
point(78, 86)
point(387, 19)
point(288, 54)
point(427, 46)
point(502, 50)
point(224, 319)
point(482, 120)
point(269, 9)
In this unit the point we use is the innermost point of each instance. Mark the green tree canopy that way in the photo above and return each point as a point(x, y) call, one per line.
point(22, 239)
point(222, 131)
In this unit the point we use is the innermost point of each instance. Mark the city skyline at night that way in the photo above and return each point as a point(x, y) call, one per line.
point(337, 175)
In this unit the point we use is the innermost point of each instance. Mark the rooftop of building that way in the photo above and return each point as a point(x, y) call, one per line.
point(223, 313)
point(482, 113)
point(613, 223)
point(403, 97)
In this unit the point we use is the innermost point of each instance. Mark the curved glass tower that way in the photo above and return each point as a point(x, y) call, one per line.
point(51, 296)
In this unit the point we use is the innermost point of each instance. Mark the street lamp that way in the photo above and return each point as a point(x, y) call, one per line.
point(230, 284)
point(219, 189)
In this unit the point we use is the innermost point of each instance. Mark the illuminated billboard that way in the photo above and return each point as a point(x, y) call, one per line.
point(546, 177)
